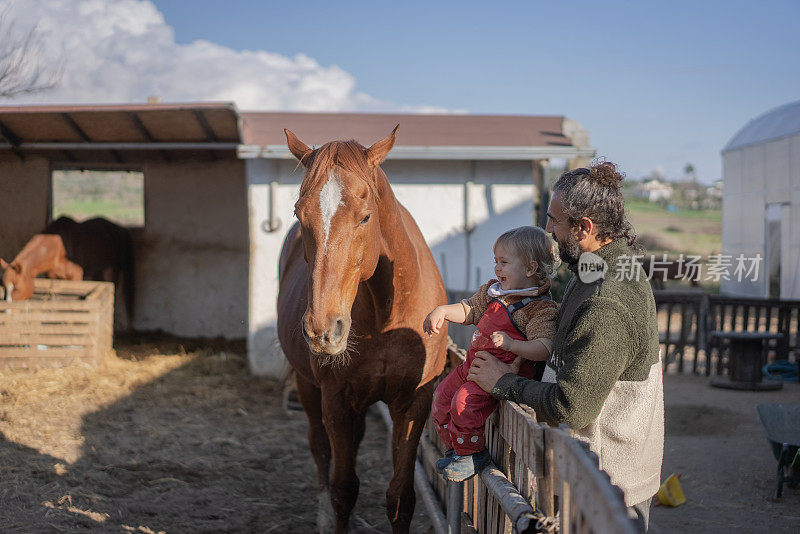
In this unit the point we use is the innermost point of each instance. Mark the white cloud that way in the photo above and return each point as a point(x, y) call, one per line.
point(123, 51)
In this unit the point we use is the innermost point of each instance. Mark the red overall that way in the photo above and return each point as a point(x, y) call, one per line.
point(460, 407)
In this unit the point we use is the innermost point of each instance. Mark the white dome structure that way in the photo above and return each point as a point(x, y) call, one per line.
point(783, 121)
point(761, 203)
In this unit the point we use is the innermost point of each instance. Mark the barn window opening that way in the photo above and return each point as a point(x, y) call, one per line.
point(84, 194)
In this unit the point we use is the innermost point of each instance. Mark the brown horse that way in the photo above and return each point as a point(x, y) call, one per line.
point(43, 254)
point(356, 282)
point(103, 249)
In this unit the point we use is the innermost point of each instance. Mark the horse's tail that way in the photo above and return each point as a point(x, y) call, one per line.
point(128, 268)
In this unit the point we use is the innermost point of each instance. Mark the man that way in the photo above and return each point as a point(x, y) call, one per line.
point(603, 378)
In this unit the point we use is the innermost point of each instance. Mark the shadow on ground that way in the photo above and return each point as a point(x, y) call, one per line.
point(204, 447)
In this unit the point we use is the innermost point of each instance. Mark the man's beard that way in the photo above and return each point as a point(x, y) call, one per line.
point(569, 249)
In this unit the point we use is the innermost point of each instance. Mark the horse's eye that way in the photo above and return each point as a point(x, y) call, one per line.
point(365, 219)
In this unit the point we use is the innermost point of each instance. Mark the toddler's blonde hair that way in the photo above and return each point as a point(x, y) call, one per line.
point(533, 245)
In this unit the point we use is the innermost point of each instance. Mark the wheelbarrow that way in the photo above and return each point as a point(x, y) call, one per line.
point(781, 424)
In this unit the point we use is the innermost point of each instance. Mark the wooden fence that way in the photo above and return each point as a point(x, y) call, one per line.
point(687, 317)
point(542, 480)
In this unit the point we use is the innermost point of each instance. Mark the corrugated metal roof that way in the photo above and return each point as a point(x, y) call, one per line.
point(265, 129)
point(782, 121)
point(121, 133)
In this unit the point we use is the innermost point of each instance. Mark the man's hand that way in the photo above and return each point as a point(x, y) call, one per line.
point(434, 321)
point(486, 370)
point(502, 340)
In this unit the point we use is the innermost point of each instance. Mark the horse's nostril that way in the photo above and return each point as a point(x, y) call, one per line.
point(338, 329)
point(307, 334)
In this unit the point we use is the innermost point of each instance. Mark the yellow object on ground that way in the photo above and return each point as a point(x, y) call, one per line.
point(670, 492)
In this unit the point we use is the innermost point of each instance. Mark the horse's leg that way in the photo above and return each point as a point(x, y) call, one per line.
point(345, 428)
point(311, 399)
point(408, 421)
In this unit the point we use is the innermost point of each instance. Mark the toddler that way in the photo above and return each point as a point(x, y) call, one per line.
point(515, 316)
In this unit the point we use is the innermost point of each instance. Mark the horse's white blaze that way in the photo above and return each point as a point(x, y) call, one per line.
point(324, 512)
point(330, 198)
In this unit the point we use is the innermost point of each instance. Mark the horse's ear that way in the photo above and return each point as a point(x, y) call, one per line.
point(378, 152)
point(3, 264)
point(296, 146)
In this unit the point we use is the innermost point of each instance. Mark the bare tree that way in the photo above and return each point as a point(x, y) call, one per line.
point(21, 67)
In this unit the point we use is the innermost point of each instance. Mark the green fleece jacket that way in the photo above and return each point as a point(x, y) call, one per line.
point(604, 375)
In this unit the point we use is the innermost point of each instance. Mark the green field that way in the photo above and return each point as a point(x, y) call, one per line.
point(676, 232)
point(117, 196)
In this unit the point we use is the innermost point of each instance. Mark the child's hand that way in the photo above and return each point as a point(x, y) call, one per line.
point(501, 340)
point(434, 321)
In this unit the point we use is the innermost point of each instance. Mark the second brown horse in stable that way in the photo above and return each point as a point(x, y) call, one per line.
point(103, 249)
point(356, 282)
point(43, 254)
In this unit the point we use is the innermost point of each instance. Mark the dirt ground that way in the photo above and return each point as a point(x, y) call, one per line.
point(715, 440)
point(176, 436)
point(168, 437)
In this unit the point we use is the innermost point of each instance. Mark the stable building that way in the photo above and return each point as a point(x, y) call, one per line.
point(761, 203)
point(220, 187)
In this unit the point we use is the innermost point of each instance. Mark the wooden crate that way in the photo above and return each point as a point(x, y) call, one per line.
point(65, 322)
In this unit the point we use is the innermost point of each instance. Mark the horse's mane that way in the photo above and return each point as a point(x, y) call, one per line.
point(348, 155)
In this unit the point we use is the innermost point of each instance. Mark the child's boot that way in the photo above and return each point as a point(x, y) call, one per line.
point(462, 468)
point(441, 463)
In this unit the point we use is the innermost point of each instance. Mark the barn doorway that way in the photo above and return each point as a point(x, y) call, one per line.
point(773, 253)
point(116, 195)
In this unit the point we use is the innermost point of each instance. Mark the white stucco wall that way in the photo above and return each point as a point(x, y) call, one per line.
point(499, 197)
point(756, 176)
point(24, 201)
point(275, 183)
point(192, 257)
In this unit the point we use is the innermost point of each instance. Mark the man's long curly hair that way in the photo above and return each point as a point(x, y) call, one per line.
point(596, 193)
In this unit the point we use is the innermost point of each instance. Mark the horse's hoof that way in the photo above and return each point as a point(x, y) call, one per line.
point(325, 517)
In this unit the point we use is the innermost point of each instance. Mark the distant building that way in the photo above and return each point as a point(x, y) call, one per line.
point(761, 203)
point(653, 190)
point(715, 190)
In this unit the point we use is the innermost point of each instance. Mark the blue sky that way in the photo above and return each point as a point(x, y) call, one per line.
point(657, 84)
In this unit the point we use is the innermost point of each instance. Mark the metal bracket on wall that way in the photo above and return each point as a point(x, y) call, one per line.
point(272, 223)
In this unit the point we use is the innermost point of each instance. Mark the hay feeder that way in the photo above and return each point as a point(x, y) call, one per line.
point(64, 323)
